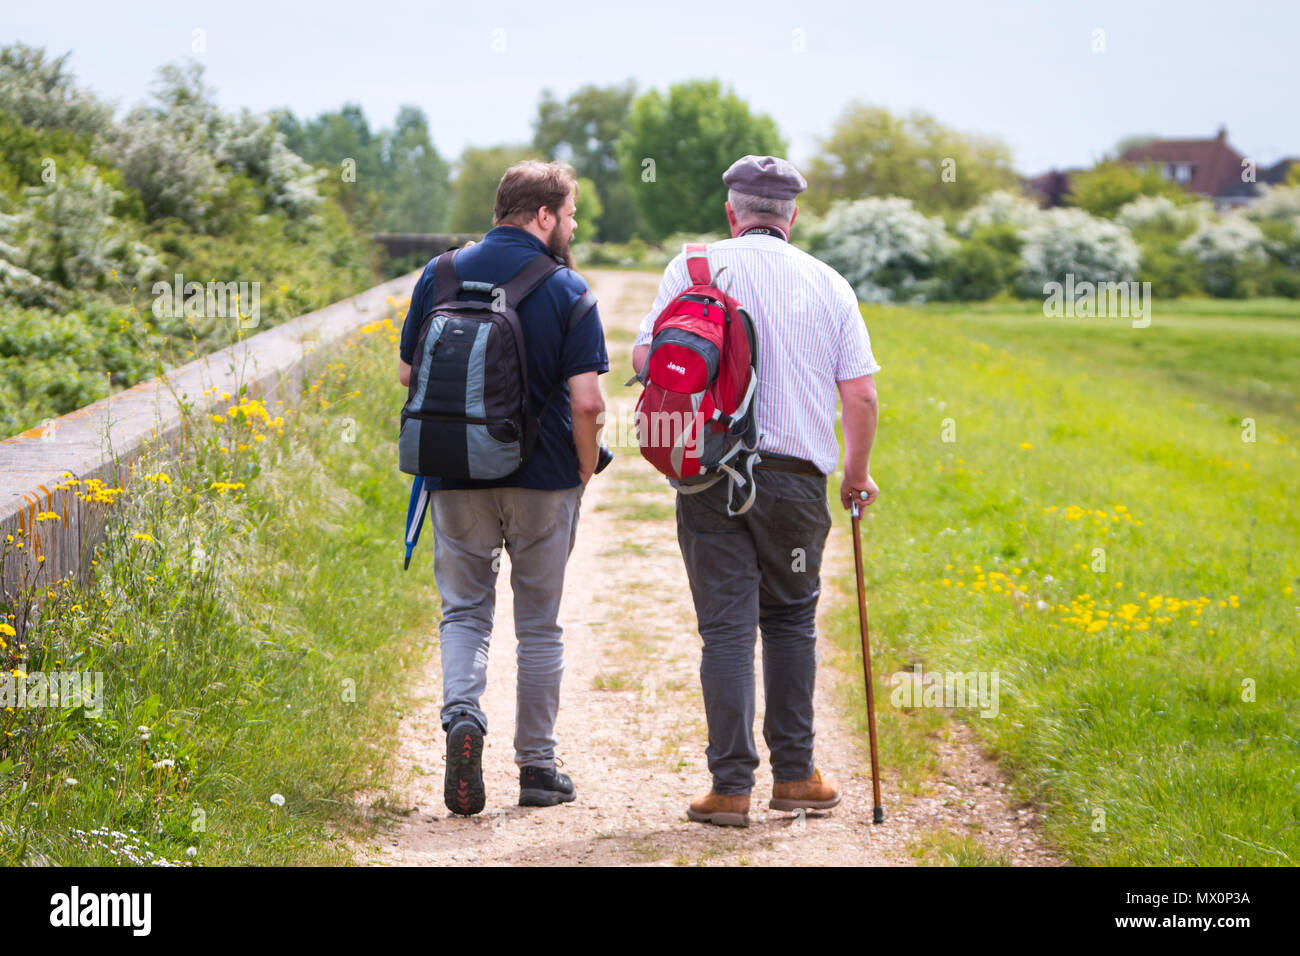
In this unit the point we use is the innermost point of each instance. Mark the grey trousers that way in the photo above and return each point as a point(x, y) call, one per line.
point(757, 572)
point(537, 529)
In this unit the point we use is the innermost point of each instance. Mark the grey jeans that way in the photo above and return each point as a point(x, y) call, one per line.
point(537, 529)
point(757, 572)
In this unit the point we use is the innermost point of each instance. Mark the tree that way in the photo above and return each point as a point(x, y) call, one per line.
point(590, 207)
point(676, 148)
point(984, 265)
point(416, 193)
point(583, 131)
point(1106, 187)
point(872, 152)
point(474, 191)
point(331, 140)
point(392, 180)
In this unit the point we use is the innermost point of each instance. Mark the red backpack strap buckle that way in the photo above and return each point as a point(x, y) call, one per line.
point(697, 263)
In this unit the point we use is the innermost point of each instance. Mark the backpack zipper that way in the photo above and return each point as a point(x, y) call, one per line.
point(434, 417)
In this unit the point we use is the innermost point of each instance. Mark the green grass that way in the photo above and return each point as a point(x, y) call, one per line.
point(263, 638)
point(1138, 735)
point(618, 680)
point(942, 848)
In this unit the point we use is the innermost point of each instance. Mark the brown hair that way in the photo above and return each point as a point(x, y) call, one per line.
point(528, 186)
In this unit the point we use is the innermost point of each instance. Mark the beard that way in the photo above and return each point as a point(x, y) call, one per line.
point(559, 247)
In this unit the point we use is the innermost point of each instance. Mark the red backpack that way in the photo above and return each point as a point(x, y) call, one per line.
point(695, 418)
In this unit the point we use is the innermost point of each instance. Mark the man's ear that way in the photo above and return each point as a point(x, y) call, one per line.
point(794, 215)
point(731, 215)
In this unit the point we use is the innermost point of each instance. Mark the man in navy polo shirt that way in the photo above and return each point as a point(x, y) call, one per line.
point(533, 512)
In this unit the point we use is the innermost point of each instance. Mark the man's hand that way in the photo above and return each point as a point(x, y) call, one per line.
point(639, 354)
point(587, 405)
point(852, 485)
point(403, 372)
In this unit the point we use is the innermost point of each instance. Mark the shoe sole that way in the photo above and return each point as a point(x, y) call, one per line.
point(791, 804)
point(720, 819)
point(544, 798)
point(463, 787)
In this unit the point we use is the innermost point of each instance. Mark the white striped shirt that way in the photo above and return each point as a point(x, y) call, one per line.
point(810, 336)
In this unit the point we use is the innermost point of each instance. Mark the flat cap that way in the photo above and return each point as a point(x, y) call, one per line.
point(768, 176)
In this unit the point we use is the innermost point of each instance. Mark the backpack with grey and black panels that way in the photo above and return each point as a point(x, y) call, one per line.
point(467, 413)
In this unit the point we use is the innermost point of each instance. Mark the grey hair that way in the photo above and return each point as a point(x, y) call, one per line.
point(749, 208)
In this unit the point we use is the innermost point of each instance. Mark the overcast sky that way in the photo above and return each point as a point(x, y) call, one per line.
point(1025, 71)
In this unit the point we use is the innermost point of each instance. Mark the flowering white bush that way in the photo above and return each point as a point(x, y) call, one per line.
point(1231, 250)
point(1000, 208)
point(885, 249)
point(254, 146)
point(41, 95)
point(69, 235)
point(1162, 214)
point(179, 153)
point(1226, 241)
point(1276, 204)
point(15, 281)
point(172, 176)
point(1062, 241)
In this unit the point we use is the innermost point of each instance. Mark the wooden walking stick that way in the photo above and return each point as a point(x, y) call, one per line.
point(877, 812)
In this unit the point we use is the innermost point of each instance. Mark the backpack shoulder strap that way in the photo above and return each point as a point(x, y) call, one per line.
point(527, 279)
point(446, 285)
point(586, 302)
point(697, 263)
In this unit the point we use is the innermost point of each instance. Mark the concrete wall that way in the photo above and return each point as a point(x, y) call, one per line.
point(103, 439)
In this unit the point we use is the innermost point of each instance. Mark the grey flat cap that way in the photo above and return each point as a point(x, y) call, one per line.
point(768, 176)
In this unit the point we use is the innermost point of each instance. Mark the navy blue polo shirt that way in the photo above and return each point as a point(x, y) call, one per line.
point(553, 356)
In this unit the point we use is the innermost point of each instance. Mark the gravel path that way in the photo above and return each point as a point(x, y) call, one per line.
point(631, 725)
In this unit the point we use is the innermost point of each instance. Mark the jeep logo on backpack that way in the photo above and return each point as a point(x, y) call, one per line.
point(695, 417)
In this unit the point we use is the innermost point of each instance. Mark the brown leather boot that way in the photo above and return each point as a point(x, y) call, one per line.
point(729, 810)
point(815, 793)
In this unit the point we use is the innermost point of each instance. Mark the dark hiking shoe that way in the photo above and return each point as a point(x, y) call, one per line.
point(544, 788)
point(463, 789)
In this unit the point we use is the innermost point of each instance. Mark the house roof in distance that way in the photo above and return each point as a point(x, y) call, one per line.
point(1215, 166)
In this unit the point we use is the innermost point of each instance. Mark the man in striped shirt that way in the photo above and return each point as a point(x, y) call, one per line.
point(761, 569)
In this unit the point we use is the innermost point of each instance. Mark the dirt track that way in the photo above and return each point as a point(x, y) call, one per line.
point(631, 725)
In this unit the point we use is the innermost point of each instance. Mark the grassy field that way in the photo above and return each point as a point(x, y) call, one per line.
point(254, 630)
point(1104, 530)
point(1096, 531)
